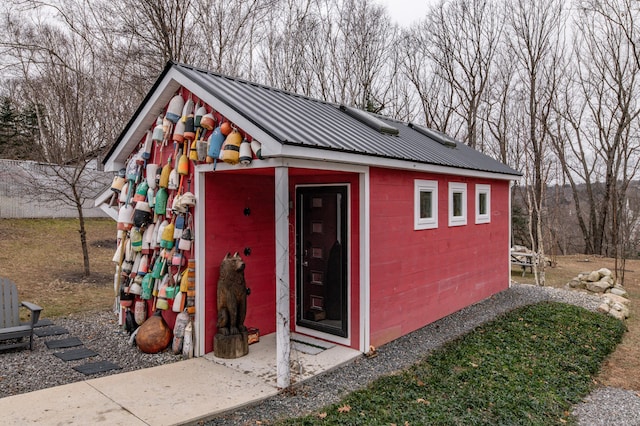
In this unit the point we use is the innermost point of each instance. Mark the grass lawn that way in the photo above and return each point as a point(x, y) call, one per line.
point(44, 258)
point(526, 367)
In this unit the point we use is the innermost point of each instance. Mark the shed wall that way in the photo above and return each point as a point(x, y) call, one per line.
point(229, 230)
point(418, 277)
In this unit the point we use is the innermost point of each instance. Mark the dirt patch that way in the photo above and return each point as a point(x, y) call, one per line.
point(106, 243)
point(621, 368)
point(78, 277)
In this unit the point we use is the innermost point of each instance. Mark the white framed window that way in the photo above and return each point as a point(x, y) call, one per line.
point(425, 204)
point(457, 204)
point(483, 203)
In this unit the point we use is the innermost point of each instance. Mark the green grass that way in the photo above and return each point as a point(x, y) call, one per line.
point(526, 367)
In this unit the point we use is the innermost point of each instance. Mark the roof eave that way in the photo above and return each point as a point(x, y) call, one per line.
point(291, 150)
point(154, 105)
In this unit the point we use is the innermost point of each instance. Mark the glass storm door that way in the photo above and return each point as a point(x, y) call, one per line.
point(321, 259)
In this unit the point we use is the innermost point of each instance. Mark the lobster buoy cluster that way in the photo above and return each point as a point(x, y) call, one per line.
point(154, 281)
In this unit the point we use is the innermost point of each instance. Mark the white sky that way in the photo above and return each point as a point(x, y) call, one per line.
point(406, 12)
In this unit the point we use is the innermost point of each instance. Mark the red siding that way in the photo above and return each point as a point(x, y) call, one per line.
point(418, 277)
point(228, 230)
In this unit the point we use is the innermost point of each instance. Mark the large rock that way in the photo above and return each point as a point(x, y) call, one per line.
point(576, 283)
point(617, 315)
point(608, 279)
point(598, 286)
point(594, 276)
point(619, 291)
point(615, 306)
point(611, 298)
point(604, 308)
point(619, 307)
point(604, 272)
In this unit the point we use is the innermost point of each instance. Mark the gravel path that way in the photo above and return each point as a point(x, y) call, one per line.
point(26, 371)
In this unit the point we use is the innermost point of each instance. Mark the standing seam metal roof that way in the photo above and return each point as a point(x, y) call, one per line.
point(293, 119)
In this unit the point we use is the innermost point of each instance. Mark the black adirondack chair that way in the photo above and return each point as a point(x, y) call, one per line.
point(12, 330)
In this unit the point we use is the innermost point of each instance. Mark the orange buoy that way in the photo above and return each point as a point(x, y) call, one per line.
point(226, 128)
point(183, 165)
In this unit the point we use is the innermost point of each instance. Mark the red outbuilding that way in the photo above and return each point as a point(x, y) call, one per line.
point(355, 228)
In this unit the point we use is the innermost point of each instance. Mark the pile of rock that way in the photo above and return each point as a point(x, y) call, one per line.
point(614, 296)
point(614, 305)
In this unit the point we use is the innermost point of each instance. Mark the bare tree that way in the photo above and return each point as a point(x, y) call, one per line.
point(535, 31)
point(281, 54)
point(227, 32)
point(163, 30)
point(435, 94)
point(499, 118)
point(598, 146)
point(462, 37)
point(55, 70)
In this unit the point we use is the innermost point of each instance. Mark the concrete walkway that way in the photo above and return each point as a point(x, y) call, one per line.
point(178, 393)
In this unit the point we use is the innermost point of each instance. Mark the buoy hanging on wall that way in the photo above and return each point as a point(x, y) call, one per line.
point(178, 132)
point(152, 170)
point(231, 147)
point(174, 110)
point(148, 146)
point(187, 109)
point(215, 142)
point(200, 112)
point(245, 153)
point(183, 165)
point(125, 217)
point(189, 128)
point(164, 176)
point(161, 202)
point(141, 191)
point(256, 147)
point(208, 121)
point(226, 128)
point(142, 214)
point(158, 131)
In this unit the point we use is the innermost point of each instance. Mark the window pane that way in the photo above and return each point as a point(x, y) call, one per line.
point(426, 212)
point(457, 204)
point(482, 203)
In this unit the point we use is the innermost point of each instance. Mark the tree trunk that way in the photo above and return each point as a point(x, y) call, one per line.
point(83, 234)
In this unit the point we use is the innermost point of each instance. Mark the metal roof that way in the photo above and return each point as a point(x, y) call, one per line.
point(292, 119)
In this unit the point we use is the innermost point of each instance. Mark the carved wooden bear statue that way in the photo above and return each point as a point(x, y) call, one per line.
point(232, 296)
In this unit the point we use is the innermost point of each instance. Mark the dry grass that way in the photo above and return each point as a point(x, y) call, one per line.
point(621, 368)
point(43, 257)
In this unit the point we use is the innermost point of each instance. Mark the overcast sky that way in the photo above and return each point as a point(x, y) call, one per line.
point(406, 12)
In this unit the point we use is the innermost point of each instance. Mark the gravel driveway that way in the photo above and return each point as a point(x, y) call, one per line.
point(26, 371)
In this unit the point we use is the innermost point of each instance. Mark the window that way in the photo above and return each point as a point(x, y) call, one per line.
point(483, 203)
point(457, 204)
point(425, 204)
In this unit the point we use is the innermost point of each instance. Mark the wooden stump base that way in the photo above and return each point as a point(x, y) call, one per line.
point(232, 346)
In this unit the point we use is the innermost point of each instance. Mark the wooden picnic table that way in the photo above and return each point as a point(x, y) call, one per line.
point(524, 259)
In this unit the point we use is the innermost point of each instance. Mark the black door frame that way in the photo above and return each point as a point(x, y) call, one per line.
point(307, 190)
